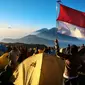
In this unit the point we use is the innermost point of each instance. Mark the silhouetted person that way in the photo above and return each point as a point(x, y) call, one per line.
point(81, 47)
point(30, 52)
point(68, 49)
point(82, 69)
point(72, 64)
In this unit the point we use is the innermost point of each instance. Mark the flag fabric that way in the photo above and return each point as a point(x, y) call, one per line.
point(71, 22)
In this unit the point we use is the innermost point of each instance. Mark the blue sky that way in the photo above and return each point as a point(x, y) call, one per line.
point(29, 15)
point(76, 4)
point(38, 13)
point(25, 16)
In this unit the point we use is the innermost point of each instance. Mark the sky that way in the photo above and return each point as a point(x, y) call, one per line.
point(21, 17)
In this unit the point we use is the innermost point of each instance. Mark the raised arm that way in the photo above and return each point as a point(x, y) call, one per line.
point(62, 55)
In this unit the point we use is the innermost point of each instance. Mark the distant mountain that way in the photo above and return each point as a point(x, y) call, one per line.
point(30, 39)
point(42, 30)
point(8, 40)
point(48, 34)
point(45, 36)
point(52, 34)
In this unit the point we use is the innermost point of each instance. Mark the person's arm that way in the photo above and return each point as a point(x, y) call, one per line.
point(7, 73)
point(62, 55)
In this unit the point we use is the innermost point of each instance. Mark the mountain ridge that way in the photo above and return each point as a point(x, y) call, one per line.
point(44, 36)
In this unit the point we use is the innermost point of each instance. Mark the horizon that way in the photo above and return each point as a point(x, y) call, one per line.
point(23, 35)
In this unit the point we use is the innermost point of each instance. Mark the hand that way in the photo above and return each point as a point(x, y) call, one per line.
point(10, 63)
point(56, 41)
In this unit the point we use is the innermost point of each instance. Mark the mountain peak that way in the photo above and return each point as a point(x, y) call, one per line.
point(53, 29)
point(42, 30)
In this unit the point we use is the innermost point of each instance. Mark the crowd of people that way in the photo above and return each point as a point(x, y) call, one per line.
point(73, 56)
point(12, 56)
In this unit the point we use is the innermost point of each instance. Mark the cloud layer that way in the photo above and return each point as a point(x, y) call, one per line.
point(15, 32)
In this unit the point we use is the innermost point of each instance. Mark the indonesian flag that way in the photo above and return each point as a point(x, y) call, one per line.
point(71, 22)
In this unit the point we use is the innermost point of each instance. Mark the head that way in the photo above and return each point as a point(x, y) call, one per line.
point(82, 45)
point(14, 55)
point(9, 48)
point(15, 48)
point(74, 49)
point(41, 50)
point(68, 45)
point(36, 50)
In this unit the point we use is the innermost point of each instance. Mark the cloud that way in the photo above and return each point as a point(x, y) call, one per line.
point(9, 27)
point(15, 32)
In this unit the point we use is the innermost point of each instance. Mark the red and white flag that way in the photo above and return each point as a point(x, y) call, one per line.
point(71, 22)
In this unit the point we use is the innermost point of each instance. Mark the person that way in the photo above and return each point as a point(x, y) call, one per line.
point(81, 75)
point(36, 50)
point(6, 74)
point(81, 47)
point(72, 64)
point(52, 51)
point(47, 50)
point(68, 49)
point(30, 52)
point(14, 56)
point(82, 69)
point(4, 60)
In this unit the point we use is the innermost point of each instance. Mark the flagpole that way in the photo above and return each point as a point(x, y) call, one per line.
point(57, 13)
point(58, 2)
